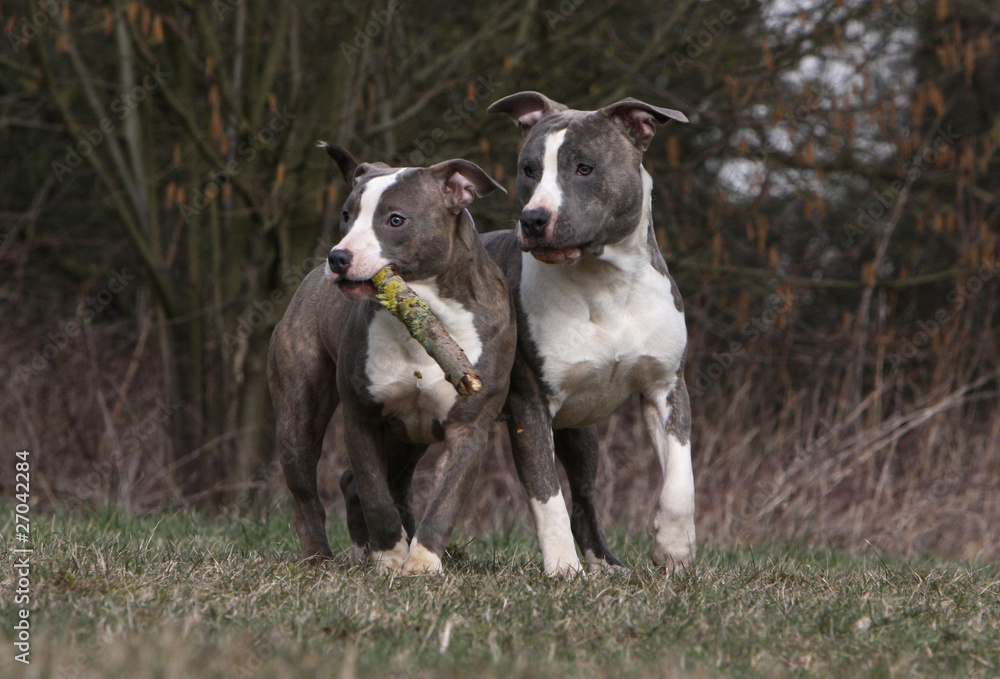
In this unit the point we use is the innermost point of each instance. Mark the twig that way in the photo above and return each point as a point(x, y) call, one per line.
point(401, 301)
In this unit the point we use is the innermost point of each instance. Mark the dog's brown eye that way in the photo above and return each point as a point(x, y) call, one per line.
point(345, 215)
point(528, 171)
point(396, 220)
point(584, 170)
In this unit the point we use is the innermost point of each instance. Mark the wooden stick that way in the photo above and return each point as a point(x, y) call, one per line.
point(401, 301)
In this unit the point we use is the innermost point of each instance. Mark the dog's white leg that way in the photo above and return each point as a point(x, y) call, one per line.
point(668, 422)
point(555, 538)
point(533, 448)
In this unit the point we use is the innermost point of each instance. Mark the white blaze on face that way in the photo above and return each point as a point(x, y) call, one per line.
point(362, 242)
point(548, 194)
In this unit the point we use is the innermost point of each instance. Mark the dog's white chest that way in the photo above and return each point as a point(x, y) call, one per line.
point(601, 337)
point(407, 382)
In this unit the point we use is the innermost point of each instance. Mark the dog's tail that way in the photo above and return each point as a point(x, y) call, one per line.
point(345, 161)
point(328, 147)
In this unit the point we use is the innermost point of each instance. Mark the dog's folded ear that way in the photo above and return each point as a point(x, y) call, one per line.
point(526, 108)
point(636, 119)
point(462, 182)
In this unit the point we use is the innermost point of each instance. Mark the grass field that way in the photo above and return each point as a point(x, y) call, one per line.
point(182, 595)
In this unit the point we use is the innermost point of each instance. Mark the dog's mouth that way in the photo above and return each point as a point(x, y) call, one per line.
point(356, 291)
point(555, 255)
point(559, 255)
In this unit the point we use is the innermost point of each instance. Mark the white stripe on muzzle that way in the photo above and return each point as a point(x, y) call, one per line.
point(548, 193)
point(361, 242)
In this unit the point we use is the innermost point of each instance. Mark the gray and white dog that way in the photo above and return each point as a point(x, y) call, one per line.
point(599, 319)
point(337, 345)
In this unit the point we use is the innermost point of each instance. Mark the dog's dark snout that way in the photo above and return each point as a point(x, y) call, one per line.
point(340, 261)
point(534, 221)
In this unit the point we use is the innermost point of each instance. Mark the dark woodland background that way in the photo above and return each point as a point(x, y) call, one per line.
point(830, 213)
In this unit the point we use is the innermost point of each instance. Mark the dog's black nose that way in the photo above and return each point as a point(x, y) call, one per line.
point(340, 261)
point(534, 221)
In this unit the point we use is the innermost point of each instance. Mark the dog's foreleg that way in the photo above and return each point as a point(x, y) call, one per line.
point(402, 464)
point(533, 448)
point(668, 420)
point(579, 451)
point(454, 477)
point(367, 450)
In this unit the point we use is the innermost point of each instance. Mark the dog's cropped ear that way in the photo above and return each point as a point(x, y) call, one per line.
point(526, 108)
point(462, 182)
point(636, 119)
point(345, 161)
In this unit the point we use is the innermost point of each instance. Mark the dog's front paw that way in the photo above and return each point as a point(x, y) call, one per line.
point(600, 566)
point(360, 553)
point(421, 561)
point(671, 563)
point(675, 544)
point(390, 560)
point(565, 564)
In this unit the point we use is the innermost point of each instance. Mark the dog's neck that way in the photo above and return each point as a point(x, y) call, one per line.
point(461, 275)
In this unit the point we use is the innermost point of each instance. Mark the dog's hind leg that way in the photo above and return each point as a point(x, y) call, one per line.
point(668, 420)
point(304, 392)
point(578, 450)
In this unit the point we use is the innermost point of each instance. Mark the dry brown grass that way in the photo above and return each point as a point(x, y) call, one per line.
point(802, 438)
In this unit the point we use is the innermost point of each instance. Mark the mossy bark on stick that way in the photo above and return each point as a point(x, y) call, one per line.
point(401, 301)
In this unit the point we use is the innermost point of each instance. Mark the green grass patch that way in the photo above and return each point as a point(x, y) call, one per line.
point(185, 595)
